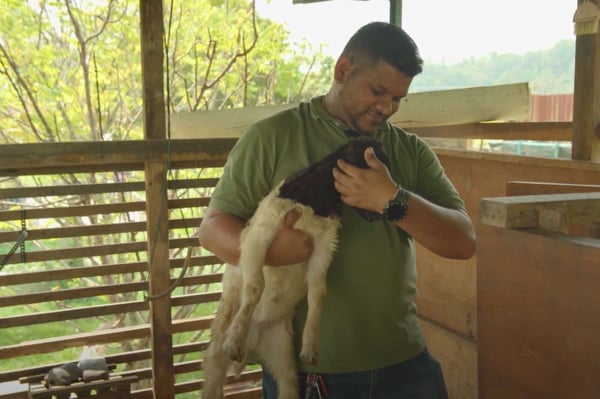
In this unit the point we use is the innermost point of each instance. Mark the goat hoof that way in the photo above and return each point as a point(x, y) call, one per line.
point(309, 356)
point(233, 351)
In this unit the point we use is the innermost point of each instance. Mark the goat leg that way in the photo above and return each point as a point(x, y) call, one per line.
point(255, 242)
point(316, 273)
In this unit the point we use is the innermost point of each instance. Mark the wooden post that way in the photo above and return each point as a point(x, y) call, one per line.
point(586, 102)
point(152, 35)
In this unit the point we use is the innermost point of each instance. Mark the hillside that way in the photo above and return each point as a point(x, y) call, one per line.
point(548, 71)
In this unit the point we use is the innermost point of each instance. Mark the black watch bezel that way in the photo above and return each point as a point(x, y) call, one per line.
point(397, 208)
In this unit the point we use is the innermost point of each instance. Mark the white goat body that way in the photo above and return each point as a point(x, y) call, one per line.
point(257, 306)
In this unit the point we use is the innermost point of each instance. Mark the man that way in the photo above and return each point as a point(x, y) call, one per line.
point(370, 343)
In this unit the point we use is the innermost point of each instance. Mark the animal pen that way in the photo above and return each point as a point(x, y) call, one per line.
point(516, 321)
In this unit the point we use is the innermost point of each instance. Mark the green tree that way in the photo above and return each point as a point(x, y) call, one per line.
point(548, 71)
point(71, 70)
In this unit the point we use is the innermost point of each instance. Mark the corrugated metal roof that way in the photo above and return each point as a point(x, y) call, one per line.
point(551, 108)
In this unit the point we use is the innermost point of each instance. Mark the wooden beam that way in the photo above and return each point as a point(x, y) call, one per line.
point(152, 37)
point(542, 131)
point(526, 211)
point(434, 108)
point(153, 92)
point(50, 158)
point(586, 101)
point(514, 188)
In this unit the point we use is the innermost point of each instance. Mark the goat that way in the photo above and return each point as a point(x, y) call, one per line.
point(259, 318)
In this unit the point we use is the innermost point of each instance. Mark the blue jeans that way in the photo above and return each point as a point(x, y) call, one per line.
point(418, 378)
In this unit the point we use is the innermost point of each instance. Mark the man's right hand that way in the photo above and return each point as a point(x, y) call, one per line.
point(290, 245)
point(220, 234)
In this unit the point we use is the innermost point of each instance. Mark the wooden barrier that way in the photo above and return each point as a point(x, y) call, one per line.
point(538, 300)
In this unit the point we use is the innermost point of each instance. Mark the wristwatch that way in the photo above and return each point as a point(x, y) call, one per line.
point(397, 208)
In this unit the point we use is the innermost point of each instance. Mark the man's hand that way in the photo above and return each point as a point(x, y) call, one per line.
point(290, 245)
point(369, 188)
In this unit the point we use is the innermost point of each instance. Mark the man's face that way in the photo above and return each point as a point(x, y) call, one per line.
point(370, 93)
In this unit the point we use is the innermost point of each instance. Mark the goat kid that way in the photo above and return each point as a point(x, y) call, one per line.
point(257, 305)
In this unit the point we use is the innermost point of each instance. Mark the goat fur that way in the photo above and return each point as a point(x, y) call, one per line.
point(257, 305)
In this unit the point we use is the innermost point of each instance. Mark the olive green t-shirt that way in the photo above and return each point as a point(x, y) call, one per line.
point(369, 318)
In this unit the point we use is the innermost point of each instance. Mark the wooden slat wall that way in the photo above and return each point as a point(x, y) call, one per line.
point(447, 289)
point(87, 230)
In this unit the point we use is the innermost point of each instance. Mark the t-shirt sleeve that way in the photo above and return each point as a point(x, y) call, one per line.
point(432, 181)
point(246, 175)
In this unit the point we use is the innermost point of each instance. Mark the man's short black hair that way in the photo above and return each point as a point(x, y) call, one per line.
point(388, 42)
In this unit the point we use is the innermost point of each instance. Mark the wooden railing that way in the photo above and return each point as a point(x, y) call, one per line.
point(78, 284)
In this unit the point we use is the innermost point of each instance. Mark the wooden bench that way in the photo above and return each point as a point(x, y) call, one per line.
point(112, 387)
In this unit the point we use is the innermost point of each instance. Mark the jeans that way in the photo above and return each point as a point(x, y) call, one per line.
point(417, 378)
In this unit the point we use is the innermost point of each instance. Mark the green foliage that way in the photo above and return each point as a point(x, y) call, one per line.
point(71, 71)
point(548, 72)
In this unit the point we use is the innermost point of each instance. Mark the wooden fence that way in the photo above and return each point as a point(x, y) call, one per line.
point(77, 285)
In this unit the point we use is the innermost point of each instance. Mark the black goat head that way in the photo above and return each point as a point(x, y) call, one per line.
point(313, 186)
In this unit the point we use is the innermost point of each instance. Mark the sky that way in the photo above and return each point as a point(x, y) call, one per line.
point(446, 31)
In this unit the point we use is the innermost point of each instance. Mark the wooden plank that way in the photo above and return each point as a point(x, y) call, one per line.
point(101, 310)
point(434, 108)
point(586, 97)
point(514, 188)
point(97, 250)
point(561, 219)
point(103, 270)
point(523, 211)
point(538, 315)
point(102, 188)
point(108, 289)
point(103, 209)
point(542, 131)
point(557, 219)
point(71, 189)
point(70, 294)
point(54, 344)
point(522, 163)
point(37, 157)
point(90, 230)
point(185, 163)
point(113, 388)
point(72, 314)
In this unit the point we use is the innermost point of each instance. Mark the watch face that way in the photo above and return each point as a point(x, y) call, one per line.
point(396, 211)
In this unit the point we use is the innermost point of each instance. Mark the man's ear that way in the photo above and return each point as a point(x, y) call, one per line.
point(343, 66)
